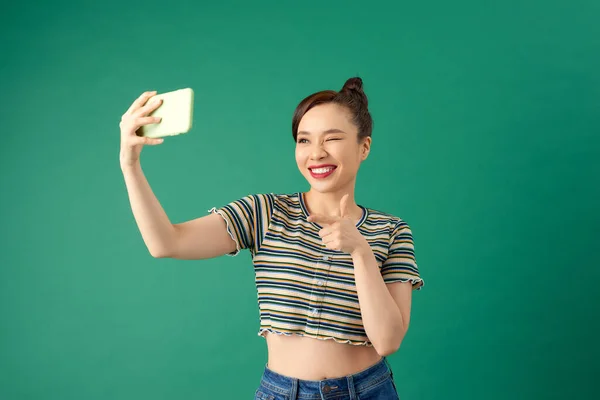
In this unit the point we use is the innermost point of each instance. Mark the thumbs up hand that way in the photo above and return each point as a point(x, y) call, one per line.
point(339, 232)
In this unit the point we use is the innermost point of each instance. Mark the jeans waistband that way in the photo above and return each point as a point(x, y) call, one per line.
point(356, 382)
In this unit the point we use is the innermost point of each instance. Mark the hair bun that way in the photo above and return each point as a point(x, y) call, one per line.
point(354, 88)
point(353, 84)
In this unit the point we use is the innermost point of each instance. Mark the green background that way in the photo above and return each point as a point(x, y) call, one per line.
point(485, 141)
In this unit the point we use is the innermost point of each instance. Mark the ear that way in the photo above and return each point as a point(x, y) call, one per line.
point(365, 148)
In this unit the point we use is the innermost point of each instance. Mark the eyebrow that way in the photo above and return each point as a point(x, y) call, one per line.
point(332, 130)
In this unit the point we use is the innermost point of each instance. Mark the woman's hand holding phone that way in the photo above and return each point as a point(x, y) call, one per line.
point(134, 118)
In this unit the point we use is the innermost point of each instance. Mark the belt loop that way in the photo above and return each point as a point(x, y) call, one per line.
point(294, 391)
point(351, 388)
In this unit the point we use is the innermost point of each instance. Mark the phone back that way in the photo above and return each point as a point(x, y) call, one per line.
point(176, 112)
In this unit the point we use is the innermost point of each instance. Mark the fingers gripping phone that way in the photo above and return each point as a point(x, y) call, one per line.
point(176, 112)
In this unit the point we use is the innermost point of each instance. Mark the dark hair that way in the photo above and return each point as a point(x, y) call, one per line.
point(350, 96)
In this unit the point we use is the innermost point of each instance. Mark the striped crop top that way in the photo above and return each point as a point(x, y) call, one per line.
point(303, 287)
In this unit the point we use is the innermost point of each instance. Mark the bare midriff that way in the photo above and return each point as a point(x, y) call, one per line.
point(307, 358)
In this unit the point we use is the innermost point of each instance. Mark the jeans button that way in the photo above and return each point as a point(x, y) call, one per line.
point(326, 389)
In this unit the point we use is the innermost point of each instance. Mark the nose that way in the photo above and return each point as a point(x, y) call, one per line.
point(318, 152)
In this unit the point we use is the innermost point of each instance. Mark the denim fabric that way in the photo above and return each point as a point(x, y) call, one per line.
point(374, 383)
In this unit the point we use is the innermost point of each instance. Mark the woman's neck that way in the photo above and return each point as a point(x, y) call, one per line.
point(329, 204)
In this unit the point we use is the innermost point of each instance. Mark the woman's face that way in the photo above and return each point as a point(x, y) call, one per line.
point(327, 150)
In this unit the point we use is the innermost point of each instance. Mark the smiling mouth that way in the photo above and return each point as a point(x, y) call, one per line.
point(321, 173)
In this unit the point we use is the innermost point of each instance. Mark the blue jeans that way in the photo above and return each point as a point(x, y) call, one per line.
point(374, 383)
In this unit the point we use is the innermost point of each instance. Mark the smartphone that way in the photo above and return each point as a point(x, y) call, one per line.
point(176, 111)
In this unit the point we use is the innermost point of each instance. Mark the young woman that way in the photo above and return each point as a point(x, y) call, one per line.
point(334, 278)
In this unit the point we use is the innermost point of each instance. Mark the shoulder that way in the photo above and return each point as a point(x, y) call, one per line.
point(382, 218)
point(287, 203)
point(274, 198)
point(280, 200)
point(381, 221)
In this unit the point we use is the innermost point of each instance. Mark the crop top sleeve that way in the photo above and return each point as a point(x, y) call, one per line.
point(247, 220)
point(401, 265)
